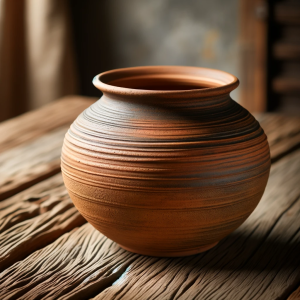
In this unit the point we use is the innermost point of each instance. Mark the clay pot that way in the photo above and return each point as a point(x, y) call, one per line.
point(166, 163)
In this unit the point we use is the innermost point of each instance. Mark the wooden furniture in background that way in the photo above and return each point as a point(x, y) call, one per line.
point(253, 43)
point(48, 251)
point(270, 55)
point(284, 61)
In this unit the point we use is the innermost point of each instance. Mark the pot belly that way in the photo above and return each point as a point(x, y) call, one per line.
point(173, 215)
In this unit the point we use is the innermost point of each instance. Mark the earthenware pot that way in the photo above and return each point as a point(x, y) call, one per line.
point(165, 163)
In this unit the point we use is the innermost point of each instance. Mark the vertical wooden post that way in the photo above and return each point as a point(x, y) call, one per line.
point(253, 50)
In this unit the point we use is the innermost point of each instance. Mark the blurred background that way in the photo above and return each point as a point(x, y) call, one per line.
point(53, 48)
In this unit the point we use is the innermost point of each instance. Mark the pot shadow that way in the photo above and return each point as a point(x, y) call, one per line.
point(239, 252)
point(245, 259)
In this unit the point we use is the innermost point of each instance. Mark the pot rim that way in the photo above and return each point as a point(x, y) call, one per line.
point(224, 82)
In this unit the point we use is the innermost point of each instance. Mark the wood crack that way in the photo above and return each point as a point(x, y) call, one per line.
point(27, 225)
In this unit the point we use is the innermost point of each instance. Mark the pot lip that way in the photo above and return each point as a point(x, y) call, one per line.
point(226, 81)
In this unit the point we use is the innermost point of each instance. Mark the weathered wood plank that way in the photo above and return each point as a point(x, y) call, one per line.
point(27, 212)
point(36, 123)
point(258, 261)
point(76, 266)
point(27, 164)
point(41, 215)
point(31, 202)
point(283, 133)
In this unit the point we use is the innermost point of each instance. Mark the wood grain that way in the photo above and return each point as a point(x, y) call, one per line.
point(35, 221)
point(283, 133)
point(77, 266)
point(30, 202)
point(36, 123)
point(258, 261)
point(30, 145)
point(30, 163)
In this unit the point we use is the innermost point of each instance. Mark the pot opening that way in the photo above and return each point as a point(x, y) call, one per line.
point(165, 80)
point(161, 83)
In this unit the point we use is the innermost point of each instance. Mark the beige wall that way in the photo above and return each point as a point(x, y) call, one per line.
point(174, 32)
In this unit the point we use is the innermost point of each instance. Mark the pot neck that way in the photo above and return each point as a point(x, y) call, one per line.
point(167, 85)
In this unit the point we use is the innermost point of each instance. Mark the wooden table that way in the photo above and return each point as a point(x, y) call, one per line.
point(48, 251)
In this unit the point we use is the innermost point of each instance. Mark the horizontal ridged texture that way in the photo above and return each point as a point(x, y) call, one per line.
point(166, 173)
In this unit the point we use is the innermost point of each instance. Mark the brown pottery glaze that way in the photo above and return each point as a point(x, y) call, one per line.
point(166, 163)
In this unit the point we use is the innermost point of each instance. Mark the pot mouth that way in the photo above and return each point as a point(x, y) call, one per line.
point(170, 81)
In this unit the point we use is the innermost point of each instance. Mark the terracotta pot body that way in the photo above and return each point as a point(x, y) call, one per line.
point(166, 163)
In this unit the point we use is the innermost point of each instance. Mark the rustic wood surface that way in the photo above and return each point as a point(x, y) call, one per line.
point(262, 253)
point(36, 219)
point(47, 252)
point(283, 133)
point(32, 162)
point(38, 157)
point(36, 123)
